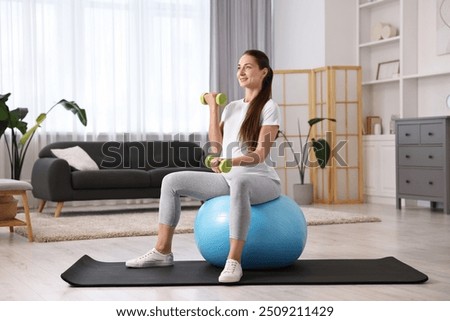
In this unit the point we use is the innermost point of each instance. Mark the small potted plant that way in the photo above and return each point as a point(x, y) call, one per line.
point(303, 193)
point(20, 138)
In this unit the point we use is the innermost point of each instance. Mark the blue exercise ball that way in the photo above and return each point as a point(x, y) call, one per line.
point(276, 237)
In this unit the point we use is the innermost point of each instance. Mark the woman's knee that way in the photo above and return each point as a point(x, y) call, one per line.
point(172, 182)
point(176, 178)
point(240, 184)
point(169, 179)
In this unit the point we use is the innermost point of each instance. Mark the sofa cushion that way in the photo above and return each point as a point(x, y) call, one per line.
point(76, 157)
point(93, 149)
point(111, 178)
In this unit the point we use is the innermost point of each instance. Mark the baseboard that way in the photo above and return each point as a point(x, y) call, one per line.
point(384, 200)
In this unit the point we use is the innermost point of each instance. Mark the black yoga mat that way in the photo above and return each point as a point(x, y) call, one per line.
point(88, 272)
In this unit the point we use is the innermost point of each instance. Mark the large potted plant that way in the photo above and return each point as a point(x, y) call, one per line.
point(17, 144)
point(19, 140)
point(303, 193)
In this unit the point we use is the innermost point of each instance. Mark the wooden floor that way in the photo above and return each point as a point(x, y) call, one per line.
point(416, 236)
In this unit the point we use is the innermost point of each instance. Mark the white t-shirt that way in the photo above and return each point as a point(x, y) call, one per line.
point(232, 117)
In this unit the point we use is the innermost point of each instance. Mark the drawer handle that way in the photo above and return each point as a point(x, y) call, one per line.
point(407, 181)
point(430, 134)
point(407, 134)
point(430, 157)
point(430, 183)
point(407, 156)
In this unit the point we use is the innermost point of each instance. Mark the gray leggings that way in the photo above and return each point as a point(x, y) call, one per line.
point(244, 191)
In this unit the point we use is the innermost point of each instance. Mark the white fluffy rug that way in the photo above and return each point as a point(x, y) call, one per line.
point(107, 222)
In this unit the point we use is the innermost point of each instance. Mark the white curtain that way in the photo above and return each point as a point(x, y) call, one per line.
point(236, 26)
point(137, 67)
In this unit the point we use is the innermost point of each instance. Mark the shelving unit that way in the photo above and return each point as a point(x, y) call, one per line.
point(379, 42)
point(421, 85)
point(373, 4)
point(400, 94)
point(381, 97)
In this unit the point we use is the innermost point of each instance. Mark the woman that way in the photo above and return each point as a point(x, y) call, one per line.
point(244, 133)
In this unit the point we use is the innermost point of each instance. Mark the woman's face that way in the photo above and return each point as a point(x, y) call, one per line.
point(248, 73)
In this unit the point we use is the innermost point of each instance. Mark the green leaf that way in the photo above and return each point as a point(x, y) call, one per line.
point(41, 118)
point(322, 151)
point(23, 140)
point(4, 110)
point(71, 106)
point(4, 99)
point(74, 108)
point(3, 126)
point(30, 133)
point(22, 126)
point(19, 113)
point(3, 122)
point(11, 119)
point(15, 119)
point(314, 121)
point(4, 114)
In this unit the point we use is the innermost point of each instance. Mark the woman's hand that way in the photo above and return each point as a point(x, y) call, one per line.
point(215, 162)
point(210, 99)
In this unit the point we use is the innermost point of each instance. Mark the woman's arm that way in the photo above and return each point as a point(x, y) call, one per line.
point(267, 136)
point(215, 127)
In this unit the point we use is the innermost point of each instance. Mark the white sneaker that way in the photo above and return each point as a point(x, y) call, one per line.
point(150, 259)
point(231, 273)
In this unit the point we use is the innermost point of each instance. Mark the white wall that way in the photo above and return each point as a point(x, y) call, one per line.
point(340, 32)
point(314, 33)
point(434, 90)
point(299, 34)
point(429, 62)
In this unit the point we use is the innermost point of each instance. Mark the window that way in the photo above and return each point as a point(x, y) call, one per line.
point(136, 66)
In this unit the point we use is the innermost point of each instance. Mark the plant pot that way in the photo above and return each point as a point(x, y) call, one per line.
point(303, 194)
point(8, 208)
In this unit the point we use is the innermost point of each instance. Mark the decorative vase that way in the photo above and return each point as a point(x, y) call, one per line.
point(8, 208)
point(303, 194)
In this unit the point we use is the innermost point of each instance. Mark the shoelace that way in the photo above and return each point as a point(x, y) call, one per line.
point(230, 266)
point(146, 255)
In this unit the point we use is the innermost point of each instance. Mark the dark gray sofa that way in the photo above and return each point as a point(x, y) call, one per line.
point(127, 170)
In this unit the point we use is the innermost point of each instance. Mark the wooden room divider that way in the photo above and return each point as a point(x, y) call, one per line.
point(332, 92)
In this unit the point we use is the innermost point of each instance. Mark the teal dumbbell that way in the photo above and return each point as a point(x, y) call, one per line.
point(224, 166)
point(221, 99)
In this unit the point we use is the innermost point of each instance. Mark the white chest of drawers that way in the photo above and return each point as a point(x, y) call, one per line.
point(423, 160)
